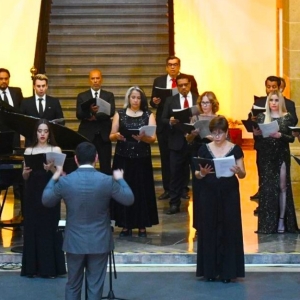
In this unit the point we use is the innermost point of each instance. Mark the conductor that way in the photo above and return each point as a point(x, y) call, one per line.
point(88, 236)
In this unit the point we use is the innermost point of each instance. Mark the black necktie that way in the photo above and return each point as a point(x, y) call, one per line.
point(5, 99)
point(96, 94)
point(41, 110)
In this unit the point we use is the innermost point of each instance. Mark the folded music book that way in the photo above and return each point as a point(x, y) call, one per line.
point(203, 162)
point(85, 106)
point(35, 161)
point(268, 128)
point(220, 165)
point(148, 129)
point(164, 93)
point(249, 124)
point(103, 106)
point(184, 114)
point(257, 110)
point(296, 129)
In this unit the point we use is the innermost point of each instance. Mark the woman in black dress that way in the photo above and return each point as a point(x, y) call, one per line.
point(133, 155)
point(42, 254)
point(276, 205)
point(208, 106)
point(220, 252)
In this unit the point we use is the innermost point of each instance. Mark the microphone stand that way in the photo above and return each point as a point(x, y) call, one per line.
point(111, 295)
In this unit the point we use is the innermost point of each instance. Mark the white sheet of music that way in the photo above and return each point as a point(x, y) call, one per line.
point(104, 106)
point(148, 129)
point(268, 128)
point(203, 127)
point(57, 158)
point(223, 166)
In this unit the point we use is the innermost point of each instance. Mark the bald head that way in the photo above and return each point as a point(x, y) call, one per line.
point(95, 79)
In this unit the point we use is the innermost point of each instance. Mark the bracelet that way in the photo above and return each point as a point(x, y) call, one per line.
point(201, 175)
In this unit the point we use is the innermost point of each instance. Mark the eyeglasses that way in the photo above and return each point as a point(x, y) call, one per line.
point(173, 65)
point(217, 134)
point(183, 84)
point(204, 103)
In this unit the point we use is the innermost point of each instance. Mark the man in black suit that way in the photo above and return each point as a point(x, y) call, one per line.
point(94, 125)
point(272, 83)
point(13, 96)
point(158, 101)
point(178, 146)
point(41, 105)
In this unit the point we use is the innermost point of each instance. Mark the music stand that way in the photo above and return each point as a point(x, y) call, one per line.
point(111, 295)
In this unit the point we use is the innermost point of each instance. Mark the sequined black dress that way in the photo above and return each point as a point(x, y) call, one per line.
point(220, 251)
point(135, 159)
point(272, 154)
point(42, 250)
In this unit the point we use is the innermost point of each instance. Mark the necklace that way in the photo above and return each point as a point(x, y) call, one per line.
point(134, 111)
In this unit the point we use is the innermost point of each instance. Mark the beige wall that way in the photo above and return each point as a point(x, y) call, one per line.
point(229, 46)
point(18, 33)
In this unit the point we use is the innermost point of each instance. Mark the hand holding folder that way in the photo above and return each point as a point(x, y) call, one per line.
point(221, 165)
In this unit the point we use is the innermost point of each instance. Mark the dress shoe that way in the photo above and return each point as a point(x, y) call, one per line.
point(211, 279)
point(125, 232)
point(173, 210)
point(255, 196)
point(142, 233)
point(226, 280)
point(164, 196)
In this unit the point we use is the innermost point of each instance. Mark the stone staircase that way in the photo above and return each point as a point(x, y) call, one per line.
point(127, 40)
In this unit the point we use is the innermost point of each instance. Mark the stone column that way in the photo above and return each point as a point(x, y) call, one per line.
point(291, 70)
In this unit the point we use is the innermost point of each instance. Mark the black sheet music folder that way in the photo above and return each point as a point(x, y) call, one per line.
point(36, 161)
point(203, 162)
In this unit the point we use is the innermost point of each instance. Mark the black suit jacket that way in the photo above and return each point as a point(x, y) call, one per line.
point(52, 108)
point(103, 123)
point(176, 138)
point(17, 97)
point(161, 81)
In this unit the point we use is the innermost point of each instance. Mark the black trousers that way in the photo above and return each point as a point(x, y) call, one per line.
point(104, 149)
point(179, 164)
point(162, 138)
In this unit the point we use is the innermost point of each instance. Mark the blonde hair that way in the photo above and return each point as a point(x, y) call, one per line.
point(40, 77)
point(282, 108)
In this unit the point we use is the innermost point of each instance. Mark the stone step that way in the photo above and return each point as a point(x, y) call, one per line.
point(67, 90)
point(108, 28)
point(177, 258)
point(109, 8)
point(98, 19)
point(107, 47)
point(108, 38)
point(114, 58)
point(76, 80)
point(106, 67)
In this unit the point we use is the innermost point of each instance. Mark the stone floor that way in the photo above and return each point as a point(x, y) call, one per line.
point(173, 240)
